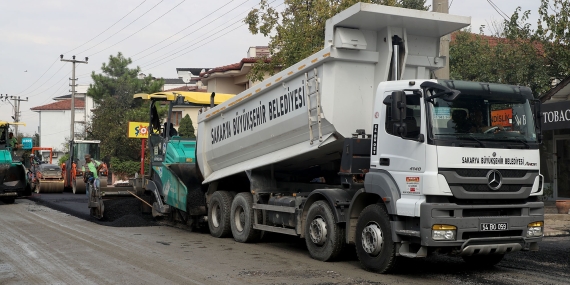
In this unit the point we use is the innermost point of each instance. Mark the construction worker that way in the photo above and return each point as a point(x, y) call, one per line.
point(94, 167)
point(12, 141)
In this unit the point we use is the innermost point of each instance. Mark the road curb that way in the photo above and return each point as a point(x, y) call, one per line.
point(556, 233)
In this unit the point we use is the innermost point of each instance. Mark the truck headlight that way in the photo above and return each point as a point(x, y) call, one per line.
point(535, 229)
point(443, 232)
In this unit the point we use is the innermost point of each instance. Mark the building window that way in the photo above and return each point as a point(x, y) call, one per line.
point(175, 117)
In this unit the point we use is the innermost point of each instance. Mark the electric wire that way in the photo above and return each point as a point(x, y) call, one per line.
point(107, 28)
point(507, 18)
point(176, 51)
point(203, 43)
point(124, 39)
point(124, 27)
point(30, 96)
point(215, 10)
point(185, 48)
point(38, 78)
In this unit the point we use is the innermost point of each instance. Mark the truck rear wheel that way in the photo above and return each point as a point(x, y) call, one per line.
point(483, 260)
point(219, 214)
point(242, 218)
point(374, 246)
point(9, 200)
point(323, 236)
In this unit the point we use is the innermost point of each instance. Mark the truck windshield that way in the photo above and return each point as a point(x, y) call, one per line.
point(491, 117)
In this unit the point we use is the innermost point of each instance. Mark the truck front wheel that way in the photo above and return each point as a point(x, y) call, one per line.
point(374, 246)
point(219, 214)
point(242, 218)
point(323, 236)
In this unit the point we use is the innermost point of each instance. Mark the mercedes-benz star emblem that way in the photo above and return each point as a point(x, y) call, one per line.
point(494, 179)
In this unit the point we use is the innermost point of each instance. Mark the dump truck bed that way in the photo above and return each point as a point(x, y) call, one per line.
point(302, 114)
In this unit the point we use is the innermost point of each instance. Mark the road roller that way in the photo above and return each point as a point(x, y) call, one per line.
point(73, 168)
point(47, 178)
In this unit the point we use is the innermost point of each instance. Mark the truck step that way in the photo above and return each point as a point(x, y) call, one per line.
point(408, 233)
point(405, 251)
point(274, 208)
point(275, 229)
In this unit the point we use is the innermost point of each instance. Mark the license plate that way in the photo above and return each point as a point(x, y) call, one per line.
point(494, 227)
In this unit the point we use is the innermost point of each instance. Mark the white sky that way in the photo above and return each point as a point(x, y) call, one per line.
point(34, 33)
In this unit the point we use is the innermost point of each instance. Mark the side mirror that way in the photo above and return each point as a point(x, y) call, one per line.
point(398, 106)
point(538, 115)
point(537, 107)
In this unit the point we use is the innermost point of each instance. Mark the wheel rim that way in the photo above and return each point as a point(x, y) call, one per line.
point(239, 219)
point(216, 215)
point(372, 239)
point(318, 231)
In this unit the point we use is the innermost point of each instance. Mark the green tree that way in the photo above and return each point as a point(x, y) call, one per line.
point(186, 129)
point(299, 30)
point(554, 32)
point(513, 55)
point(519, 55)
point(113, 91)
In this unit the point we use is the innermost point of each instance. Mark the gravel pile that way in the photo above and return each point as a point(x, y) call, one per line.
point(126, 213)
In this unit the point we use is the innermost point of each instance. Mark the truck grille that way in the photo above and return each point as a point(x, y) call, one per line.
point(506, 173)
point(494, 212)
point(485, 188)
point(510, 233)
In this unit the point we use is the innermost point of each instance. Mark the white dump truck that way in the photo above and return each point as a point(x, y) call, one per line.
point(359, 144)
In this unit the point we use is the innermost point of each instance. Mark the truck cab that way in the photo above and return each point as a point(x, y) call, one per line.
point(469, 178)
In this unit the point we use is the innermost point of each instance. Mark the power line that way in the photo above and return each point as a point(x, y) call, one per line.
point(184, 48)
point(107, 28)
point(215, 10)
point(507, 18)
point(46, 81)
point(57, 82)
point(498, 10)
point(139, 29)
point(124, 27)
point(37, 79)
point(201, 45)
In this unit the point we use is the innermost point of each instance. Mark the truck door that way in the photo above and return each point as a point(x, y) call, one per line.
point(403, 158)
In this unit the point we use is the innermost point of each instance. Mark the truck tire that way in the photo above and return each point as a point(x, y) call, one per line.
point(483, 261)
point(374, 246)
point(219, 214)
point(242, 218)
point(9, 200)
point(323, 236)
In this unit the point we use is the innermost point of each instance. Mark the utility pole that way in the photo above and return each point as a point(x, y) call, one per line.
point(16, 107)
point(442, 6)
point(73, 61)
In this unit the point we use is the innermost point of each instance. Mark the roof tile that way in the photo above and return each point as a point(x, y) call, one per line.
point(60, 105)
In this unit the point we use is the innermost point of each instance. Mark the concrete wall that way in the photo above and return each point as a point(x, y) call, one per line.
point(224, 85)
point(54, 128)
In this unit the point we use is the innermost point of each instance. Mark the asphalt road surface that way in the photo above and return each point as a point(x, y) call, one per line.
point(40, 245)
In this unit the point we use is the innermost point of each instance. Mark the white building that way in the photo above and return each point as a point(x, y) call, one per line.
point(55, 119)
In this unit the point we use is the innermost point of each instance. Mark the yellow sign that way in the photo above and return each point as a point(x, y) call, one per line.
point(138, 130)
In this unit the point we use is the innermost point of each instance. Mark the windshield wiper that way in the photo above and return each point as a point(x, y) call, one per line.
point(470, 136)
point(518, 139)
